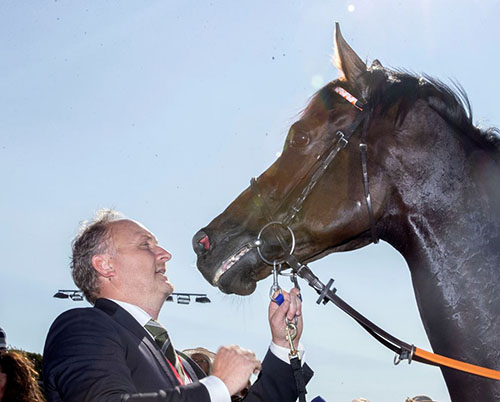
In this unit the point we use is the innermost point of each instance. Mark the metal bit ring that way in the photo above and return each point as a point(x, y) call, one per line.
point(260, 242)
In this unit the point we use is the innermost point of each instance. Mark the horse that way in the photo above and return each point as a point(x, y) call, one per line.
point(414, 172)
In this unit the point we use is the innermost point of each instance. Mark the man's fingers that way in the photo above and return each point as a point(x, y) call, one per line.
point(296, 293)
point(291, 306)
point(295, 309)
point(234, 365)
point(247, 354)
point(279, 312)
point(257, 366)
point(291, 313)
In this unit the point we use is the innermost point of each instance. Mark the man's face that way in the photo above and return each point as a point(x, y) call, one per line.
point(139, 263)
point(202, 361)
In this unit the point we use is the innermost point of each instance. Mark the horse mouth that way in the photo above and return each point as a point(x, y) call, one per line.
point(229, 263)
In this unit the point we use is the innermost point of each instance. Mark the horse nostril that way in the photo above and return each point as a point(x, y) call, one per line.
point(205, 242)
point(201, 242)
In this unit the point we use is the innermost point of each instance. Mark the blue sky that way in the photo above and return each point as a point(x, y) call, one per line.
point(164, 110)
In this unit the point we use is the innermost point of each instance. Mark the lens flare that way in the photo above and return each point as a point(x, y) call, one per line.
point(317, 81)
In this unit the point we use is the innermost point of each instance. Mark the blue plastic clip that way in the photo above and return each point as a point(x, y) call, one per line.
point(279, 299)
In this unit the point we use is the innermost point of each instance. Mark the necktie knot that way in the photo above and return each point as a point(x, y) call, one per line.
point(162, 339)
point(159, 333)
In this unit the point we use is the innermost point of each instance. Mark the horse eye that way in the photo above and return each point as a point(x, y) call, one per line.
point(300, 139)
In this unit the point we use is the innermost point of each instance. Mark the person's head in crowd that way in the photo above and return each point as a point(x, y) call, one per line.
point(419, 398)
point(18, 378)
point(3, 339)
point(205, 359)
point(202, 357)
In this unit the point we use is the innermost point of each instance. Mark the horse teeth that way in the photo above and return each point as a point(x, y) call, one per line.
point(229, 263)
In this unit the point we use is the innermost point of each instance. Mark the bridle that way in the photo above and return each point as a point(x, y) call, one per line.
point(321, 165)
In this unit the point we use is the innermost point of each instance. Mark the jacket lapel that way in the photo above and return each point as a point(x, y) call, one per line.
point(194, 371)
point(129, 323)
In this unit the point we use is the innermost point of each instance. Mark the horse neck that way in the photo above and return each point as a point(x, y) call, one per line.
point(446, 225)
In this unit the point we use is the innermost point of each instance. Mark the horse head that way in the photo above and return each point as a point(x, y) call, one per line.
point(411, 137)
point(333, 216)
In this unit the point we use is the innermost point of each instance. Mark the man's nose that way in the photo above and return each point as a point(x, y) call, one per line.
point(163, 255)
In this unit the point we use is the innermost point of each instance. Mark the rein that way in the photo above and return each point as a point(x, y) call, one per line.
point(403, 350)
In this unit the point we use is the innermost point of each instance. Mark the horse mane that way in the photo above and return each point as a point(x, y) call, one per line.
point(401, 89)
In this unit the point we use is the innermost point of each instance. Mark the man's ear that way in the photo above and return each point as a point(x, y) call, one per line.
point(102, 264)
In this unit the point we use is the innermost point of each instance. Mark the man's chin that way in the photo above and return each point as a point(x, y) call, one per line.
point(169, 288)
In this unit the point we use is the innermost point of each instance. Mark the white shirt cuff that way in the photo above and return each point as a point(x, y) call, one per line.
point(282, 353)
point(216, 389)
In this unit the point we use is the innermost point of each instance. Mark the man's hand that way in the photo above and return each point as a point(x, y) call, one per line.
point(290, 308)
point(234, 366)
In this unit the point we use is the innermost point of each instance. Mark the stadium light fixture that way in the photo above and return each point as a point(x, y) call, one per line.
point(180, 298)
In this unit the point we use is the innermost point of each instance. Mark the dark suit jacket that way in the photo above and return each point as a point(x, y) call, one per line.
point(101, 353)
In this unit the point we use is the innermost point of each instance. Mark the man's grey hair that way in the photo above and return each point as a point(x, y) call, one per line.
point(93, 238)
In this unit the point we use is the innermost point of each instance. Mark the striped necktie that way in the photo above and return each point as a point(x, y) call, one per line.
point(162, 339)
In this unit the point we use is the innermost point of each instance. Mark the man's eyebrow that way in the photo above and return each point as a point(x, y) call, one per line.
point(144, 236)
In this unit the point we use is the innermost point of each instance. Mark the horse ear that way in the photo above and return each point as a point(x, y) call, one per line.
point(347, 60)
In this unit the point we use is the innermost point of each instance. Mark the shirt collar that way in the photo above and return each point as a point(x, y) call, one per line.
point(135, 311)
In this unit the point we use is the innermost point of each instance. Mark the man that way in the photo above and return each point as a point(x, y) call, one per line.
point(112, 349)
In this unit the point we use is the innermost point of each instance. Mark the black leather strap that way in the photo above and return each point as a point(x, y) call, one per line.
point(298, 373)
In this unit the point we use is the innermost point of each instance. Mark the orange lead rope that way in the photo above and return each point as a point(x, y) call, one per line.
point(457, 365)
